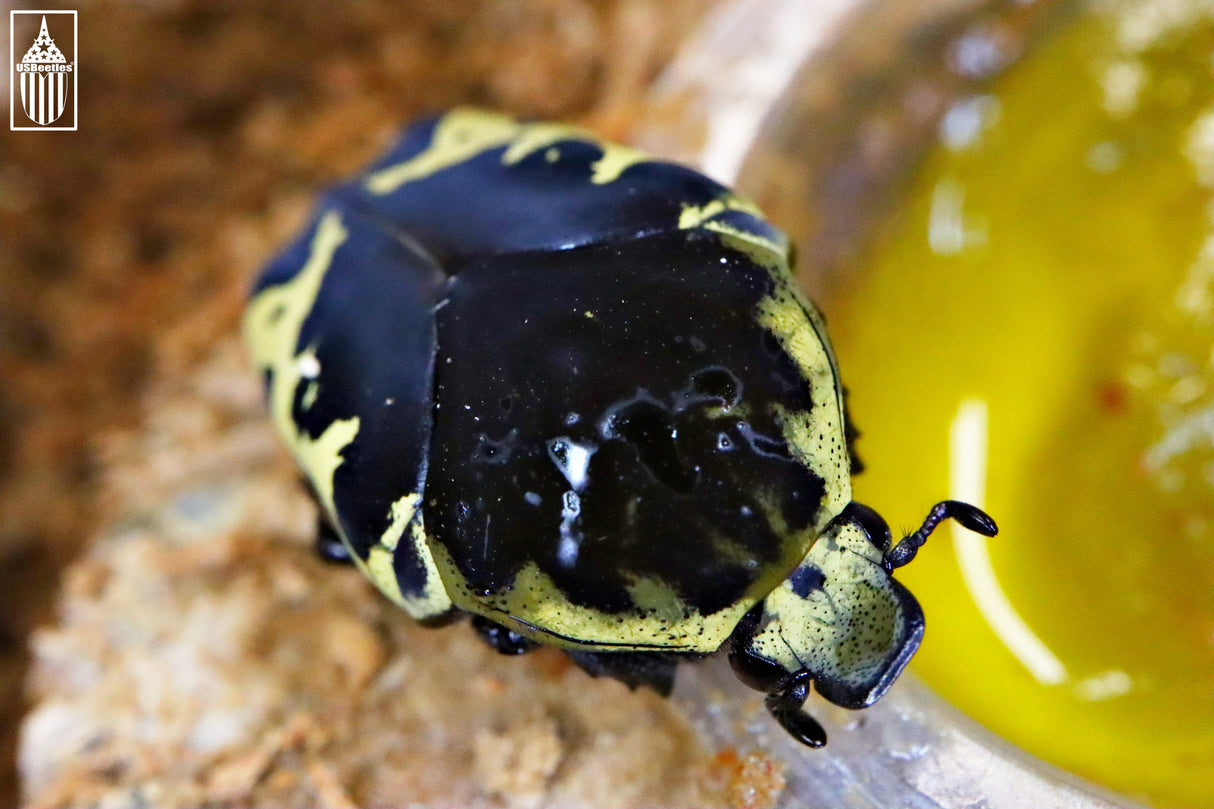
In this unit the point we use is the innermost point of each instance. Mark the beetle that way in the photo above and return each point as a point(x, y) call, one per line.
point(573, 391)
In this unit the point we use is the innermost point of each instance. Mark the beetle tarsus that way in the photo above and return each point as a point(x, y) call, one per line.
point(500, 639)
point(329, 546)
point(971, 517)
point(785, 708)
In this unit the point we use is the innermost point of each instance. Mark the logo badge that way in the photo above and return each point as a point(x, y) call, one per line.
point(42, 92)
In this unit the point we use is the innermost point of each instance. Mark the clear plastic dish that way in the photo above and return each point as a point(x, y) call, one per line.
point(741, 101)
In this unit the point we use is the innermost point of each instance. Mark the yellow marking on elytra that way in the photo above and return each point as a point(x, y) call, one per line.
point(459, 136)
point(615, 160)
point(322, 455)
point(692, 216)
point(656, 597)
point(544, 614)
point(534, 137)
point(272, 327)
point(382, 574)
point(816, 437)
point(816, 440)
point(406, 516)
point(702, 216)
point(403, 512)
point(465, 133)
point(788, 305)
point(789, 325)
point(744, 235)
point(434, 600)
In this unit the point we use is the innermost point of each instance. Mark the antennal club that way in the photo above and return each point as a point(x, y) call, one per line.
point(971, 517)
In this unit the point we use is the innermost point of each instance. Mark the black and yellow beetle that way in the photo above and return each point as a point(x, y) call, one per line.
point(574, 391)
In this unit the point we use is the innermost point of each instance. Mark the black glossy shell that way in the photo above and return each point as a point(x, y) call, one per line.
point(554, 382)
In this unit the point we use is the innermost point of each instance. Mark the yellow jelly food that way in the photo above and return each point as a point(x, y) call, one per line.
point(1035, 331)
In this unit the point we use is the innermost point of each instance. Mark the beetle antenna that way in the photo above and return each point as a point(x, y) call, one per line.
point(971, 517)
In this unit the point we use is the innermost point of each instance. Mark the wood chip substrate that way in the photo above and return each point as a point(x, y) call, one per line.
point(190, 649)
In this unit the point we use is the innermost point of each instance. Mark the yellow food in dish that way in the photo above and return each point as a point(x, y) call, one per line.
point(1034, 333)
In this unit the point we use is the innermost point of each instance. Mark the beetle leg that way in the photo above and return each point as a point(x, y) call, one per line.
point(786, 693)
point(851, 433)
point(500, 639)
point(785, 706)
point(972, 517)
point(839, 620)
point(633, 669)
point(329, 546)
